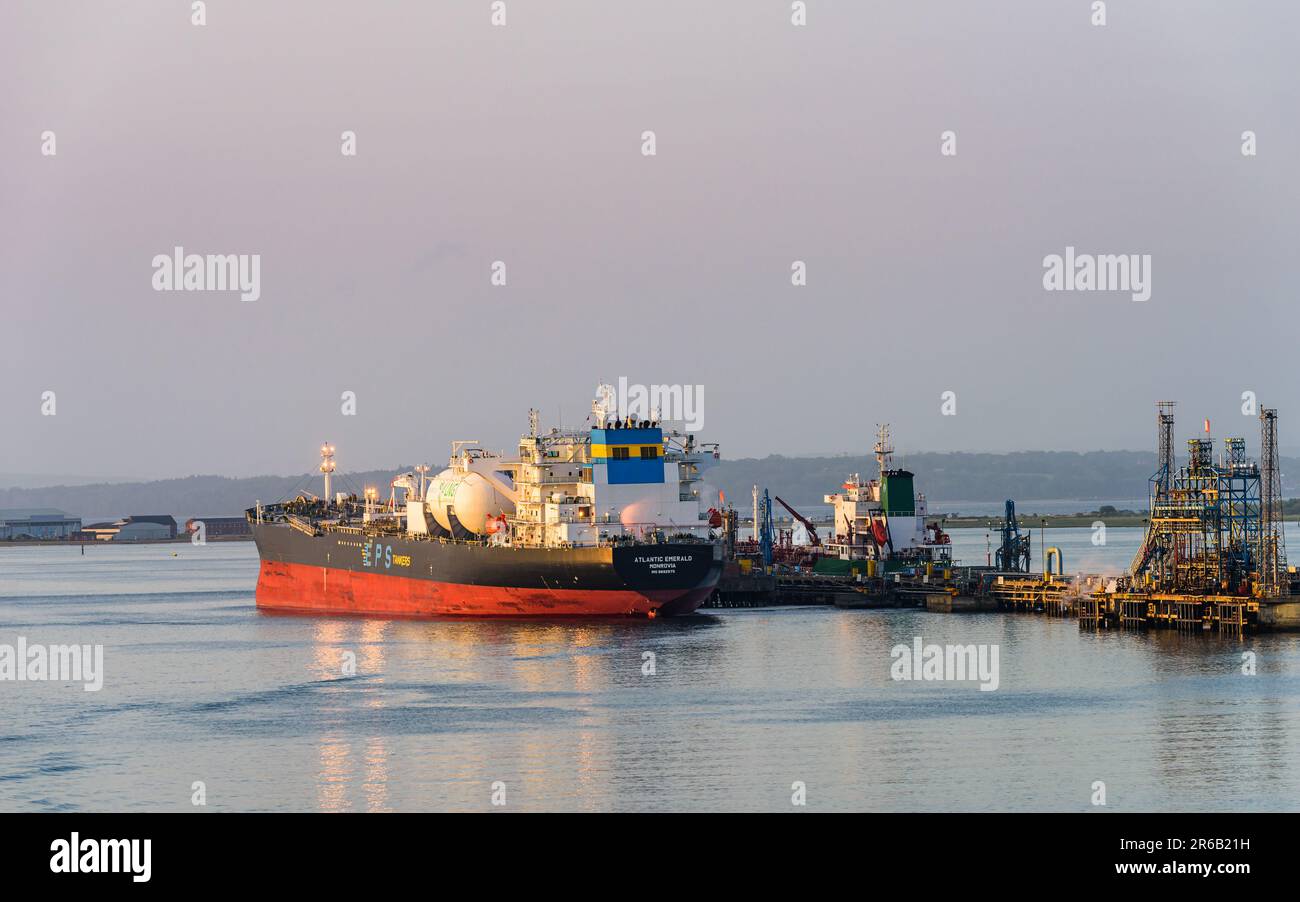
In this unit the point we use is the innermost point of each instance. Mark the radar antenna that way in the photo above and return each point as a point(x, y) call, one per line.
point(603, 405)
point(884, 450)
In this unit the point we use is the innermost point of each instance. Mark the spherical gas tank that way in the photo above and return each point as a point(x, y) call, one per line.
point(441, 493)
point(476, 500)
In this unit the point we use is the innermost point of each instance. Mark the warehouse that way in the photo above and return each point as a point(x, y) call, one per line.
point(137, 528)
point(37, 523)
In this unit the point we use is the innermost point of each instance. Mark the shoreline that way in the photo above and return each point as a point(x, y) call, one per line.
point(1026, 521)
point(1034, 521)
point(93, 543)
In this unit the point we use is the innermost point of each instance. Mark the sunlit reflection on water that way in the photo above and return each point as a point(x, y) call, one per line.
point(567, 716)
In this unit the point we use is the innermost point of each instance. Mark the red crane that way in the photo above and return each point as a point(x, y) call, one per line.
point(808, 524)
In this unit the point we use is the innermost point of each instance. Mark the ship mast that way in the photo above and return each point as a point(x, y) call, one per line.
point(604, 405)
point(884, 451)
point(327, 466)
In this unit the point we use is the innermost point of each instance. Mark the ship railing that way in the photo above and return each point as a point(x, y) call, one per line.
point(650, 534)
point(301, 525)
point(654, 534)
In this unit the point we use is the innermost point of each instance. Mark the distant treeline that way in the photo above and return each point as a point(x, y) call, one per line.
point(802, 481)
point(191, 496)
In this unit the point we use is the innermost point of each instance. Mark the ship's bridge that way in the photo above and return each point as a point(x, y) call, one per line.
point(629, 456)
point(640, 484)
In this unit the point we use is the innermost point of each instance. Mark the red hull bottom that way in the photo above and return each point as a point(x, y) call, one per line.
point(304, 588)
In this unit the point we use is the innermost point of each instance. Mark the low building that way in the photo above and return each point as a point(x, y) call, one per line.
point(143, 531)
point(220, 526)
point(99, 532)
point(136, 528)
point(37, 523)
point(167, 521)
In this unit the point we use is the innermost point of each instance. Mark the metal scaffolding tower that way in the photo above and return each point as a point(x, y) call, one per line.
point(765, 529)
point(1215, 526)
point(1165, 437)
point(1272, 535)
point(1159, 483)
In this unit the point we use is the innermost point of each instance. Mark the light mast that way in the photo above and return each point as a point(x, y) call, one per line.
point(327, 467)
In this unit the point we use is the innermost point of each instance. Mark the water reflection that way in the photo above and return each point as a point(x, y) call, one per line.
point(741, 705)
point(588, 674)
point(335, 771)
point(351, 656)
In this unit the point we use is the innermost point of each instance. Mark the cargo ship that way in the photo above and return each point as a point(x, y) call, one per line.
point(884, 520)
point(606, 520)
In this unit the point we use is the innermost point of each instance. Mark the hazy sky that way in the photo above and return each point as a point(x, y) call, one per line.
point(523, 144)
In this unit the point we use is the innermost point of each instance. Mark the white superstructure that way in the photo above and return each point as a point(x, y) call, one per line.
point(604, 483)
point(884, 518)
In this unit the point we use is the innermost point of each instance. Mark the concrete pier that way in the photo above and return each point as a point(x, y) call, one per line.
point(944, 603)
point(1279, 614)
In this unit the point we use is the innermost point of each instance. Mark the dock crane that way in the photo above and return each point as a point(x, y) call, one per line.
point(1013, 554)
point(808, 524)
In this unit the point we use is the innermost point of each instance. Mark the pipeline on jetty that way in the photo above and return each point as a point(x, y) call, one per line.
point(1213, 557)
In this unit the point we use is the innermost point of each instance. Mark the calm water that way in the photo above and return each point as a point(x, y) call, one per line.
point(201, 687)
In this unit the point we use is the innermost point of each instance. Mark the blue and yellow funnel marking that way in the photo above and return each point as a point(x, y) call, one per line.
point(629, 456)
point(628, 452)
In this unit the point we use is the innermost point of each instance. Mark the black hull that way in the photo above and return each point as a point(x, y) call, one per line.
point(382, 574)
